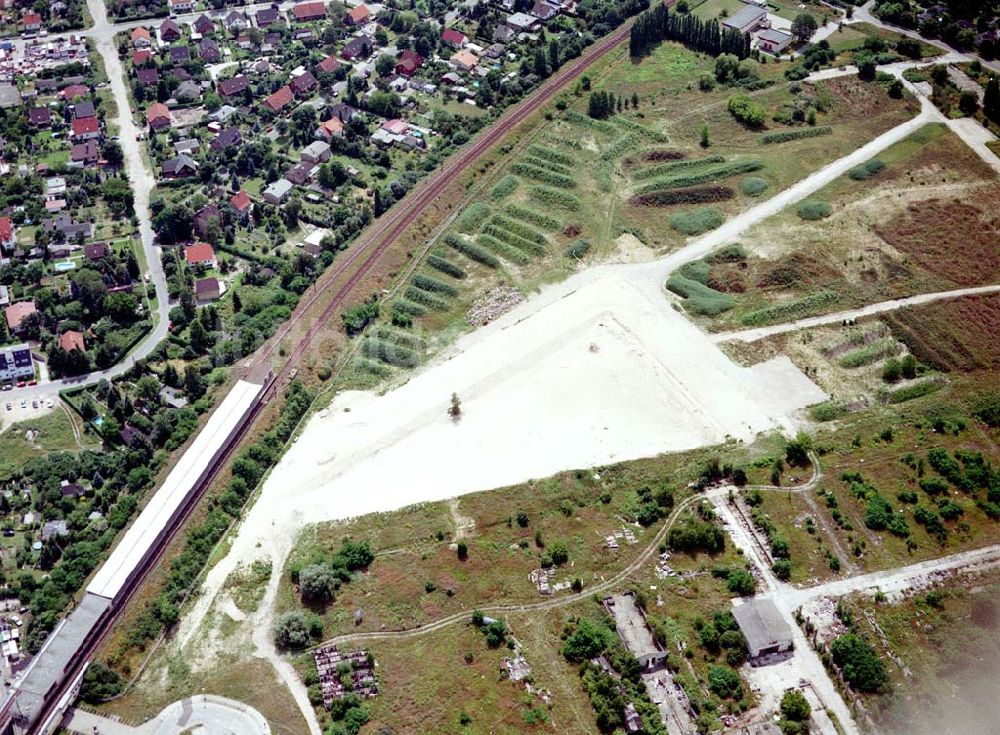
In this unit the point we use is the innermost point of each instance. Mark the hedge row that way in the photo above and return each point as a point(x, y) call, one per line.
point(473, 217)
point(699, 298)
point(917, 390)
point(712, 173)
point(791, 310)
point(433, 285)
point(547, 165)
point(694, 195)
point(532, 216)
point(389, 352)
point(445, 266)
point(544, 175)
point(424, 298)
point(620, 147)
point(870, 353)
point(400, 338)
point(505, 251)
point(667, 168)
point(471, 251)
point(514, 240)
point(504, 187)
point(518, 228)
point(799, 134)
point(548, 154)
point(550, 197)
point(580, 119)
point(408, 307)
point(866, 170)
point(633, 127)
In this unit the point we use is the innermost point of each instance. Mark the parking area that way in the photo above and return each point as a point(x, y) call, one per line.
point(14, 409)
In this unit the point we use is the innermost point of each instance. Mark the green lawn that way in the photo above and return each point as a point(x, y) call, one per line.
point(55, 434)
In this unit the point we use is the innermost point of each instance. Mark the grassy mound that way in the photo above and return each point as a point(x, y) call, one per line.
point(814, 209)
point(753, 186)
point(696, 221)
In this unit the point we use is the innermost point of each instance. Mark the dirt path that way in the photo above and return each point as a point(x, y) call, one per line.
point(752, 335)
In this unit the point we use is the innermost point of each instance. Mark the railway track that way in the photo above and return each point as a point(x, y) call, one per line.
point(372, 246)
point(397, 220)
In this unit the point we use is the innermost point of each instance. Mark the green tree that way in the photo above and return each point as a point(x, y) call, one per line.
point(803, 27)
point(317, 583)
point(862, 668)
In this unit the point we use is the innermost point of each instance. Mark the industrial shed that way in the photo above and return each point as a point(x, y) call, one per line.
point(763, 626)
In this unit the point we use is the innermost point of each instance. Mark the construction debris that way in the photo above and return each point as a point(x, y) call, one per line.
point(494, 303)
point(345, 673)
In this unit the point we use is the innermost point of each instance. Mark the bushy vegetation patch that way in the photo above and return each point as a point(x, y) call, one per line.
point(696, 221)
point(633, 127)
point(549, 197)
point(473, 217)
point(543, 175)
point(391, 353)
point(425, 298)
point(814, 209)
point(870, 353)
point(785, 136)
point(656, 155)
point(602, 126)
point(433, 285)
point(505, 251)
point(699, 298)
point(746, 111)
point(620, 147)
point(828, 411)
point(693, 195)
point(547, 165)
point(408, 307)
point(702, 176)
point(866, 170)
point(753, 186)
point(518, 228)
point(549, 154)
point(862, 668)
point(444, 265)
point(666, 168)
point(504, 187)
point(532, 216)
point(514, 240)
point(916, 390)
point(578, 249)
point(471, 251)
point(791, 310)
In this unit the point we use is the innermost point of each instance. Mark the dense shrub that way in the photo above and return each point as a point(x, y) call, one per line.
point(473, 217)
point(513, 239)
point(746, 111)
point(753, 186)
point(866, 170)
point(677, 165)
point(862, 668)
point(814, 209)
point(549, 154)
point(518, 228)
point(433, 285)
point(543, 175)
point(424, 298)
point(445, 266)
point(471, 251)
point(784, 136)
point(504, 188)
point(790, 310)
point(532, 216)
point(390, 353)
point(505, 251)
point(578, 249)
point(696, 221)
point(694, 195)
point(699, 298)
point(549, 197)
point(869, 353)
point(701, 175)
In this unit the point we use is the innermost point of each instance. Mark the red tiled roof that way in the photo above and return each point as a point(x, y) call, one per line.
point(200, 252)
point(75, 90)
point(241, 201)
point(31, 19)
point(6, 229)
point(329, 65)
point(156, 111)
point(72, 340)
point(140, 32)
point(83, 125)
point(140, 56)
point(309, 11)
point(279, 99)
point(455, 38)
point(359, 14)
point(16, 312)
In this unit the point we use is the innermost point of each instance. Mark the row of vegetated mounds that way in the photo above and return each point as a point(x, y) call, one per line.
point(952, 335)
point(692, 195)
point(949, 238)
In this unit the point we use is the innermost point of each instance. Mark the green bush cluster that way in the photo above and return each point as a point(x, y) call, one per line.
point(391, 353)
point(444, 265)
point(543, 175)
point(547, 165)
point(785, 136)
point(578, 249)
point(862, 668)
point(790, 310)
point(828, 411)
point(473, 217)
point(549, 154)
point(620, 147)
point(753, 186)
point(633, 127)
point(866, 170)
point(668, 168)
point(549, 197)
point(471, 251)
point(917, 390)
point(532, 216)
point(433, 285)
point(505, 251)
point(514, 240)
point(702, 176)
point(602, 126)
point(424, 298)
point(746, 111)
point(504, 187)
point(869, 353)
point(697, 221)
point(699, 298)
point(814, 209)
point(408, 307)
point(520, 229)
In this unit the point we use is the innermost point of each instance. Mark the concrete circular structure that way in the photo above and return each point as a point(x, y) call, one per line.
point(206, 714)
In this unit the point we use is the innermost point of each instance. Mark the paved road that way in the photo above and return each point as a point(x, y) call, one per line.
point(752, 335)
point(204, 713)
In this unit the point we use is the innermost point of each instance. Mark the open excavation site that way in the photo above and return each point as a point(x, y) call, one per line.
point(553, 384)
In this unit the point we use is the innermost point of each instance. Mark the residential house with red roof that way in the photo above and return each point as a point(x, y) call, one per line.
point(158, 116)
point(32, 22)
point(453, 38)
point(327, 66)
point(141, 38)
point(15, 314)
point(72, 340)
point(6, 233)
point(201, 253)
point(358, 16)
point(305, 12)
point(408, 63)
point(279, 100)
point(85, 128)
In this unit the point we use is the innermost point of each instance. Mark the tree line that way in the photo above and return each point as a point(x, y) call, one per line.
point(659, 24)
